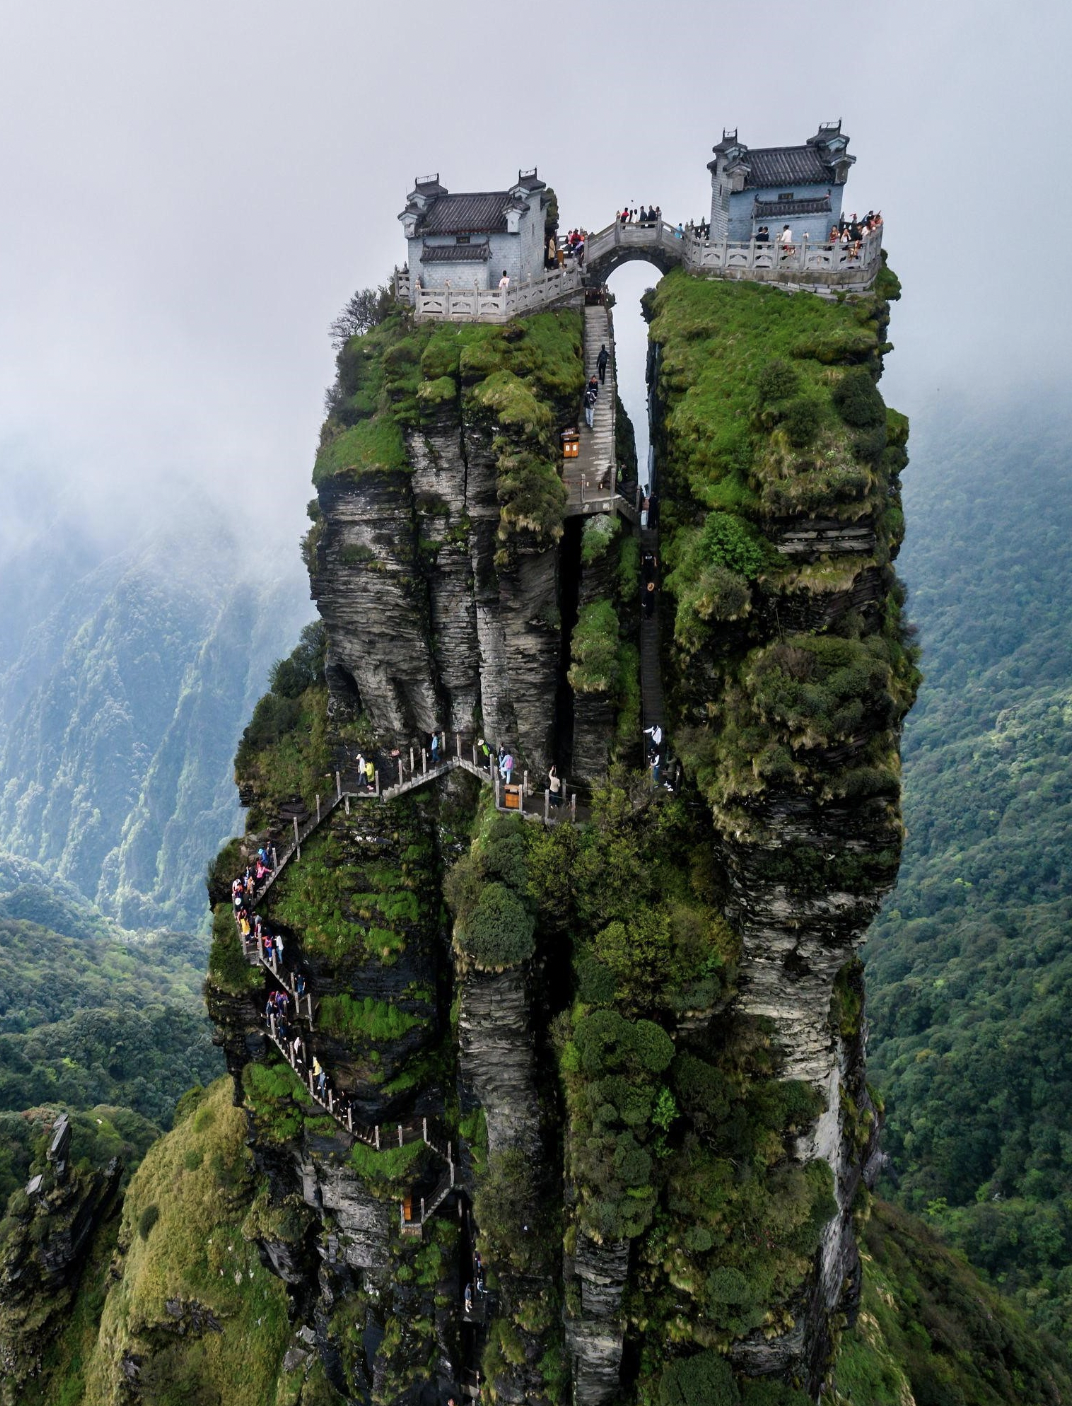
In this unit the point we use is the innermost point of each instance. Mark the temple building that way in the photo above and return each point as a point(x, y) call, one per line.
point(462, 240)
point(798, 186)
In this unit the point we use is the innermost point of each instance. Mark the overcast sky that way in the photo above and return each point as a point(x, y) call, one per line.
point(190, 192)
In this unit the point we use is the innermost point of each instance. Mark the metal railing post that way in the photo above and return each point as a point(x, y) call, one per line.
point(377, 1137)
point(496, 783)
point(547, 805)
point(338, 786)
point(400, 1134)
point(458, 739)
point(573, 808)
point(400, 771)
point(377, 776)
point(411, 761)
point(318, 808)
point(424, 761)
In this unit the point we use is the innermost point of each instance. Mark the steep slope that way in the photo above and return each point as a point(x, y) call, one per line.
point(970, 962)
point(788, 676)
point(119, 718)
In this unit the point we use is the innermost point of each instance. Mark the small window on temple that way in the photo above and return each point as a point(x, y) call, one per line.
point(462, 238)
point(787, 195)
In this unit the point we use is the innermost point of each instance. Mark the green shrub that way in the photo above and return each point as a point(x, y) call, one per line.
point(607, 1041)
point(767, 1393)
point(703, 1380)
point(629, 568)
point(594, 649)
point(364, 1019)
point(730, 541)
point(148, 1218)
point(596, 536)
point(778, 380)
point(858, 400)
point(802, 421)
point(499, 931)
point(304, 666)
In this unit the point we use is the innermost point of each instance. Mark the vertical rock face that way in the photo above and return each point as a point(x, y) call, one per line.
point(441, 606)
point(791, 677)
point(676, 984)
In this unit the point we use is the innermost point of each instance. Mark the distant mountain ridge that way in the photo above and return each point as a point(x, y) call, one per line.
point(120, 710)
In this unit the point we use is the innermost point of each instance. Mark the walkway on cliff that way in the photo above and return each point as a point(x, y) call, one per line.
point(652, 706)
point(590, 478)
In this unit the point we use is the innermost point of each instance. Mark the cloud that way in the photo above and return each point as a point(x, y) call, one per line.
point(193, 190)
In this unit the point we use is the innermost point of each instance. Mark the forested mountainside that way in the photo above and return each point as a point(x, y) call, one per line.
point(120, 708)
point(970, 964)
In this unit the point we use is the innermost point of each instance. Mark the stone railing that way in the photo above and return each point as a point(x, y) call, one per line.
point(804, 262)
point(488, 304)
point(622, 234)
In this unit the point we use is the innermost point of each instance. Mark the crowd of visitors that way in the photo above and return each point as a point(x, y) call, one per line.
point(646, 215)
point(571, 247)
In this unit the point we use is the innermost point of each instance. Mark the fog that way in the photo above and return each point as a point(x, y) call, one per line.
point(191, 191)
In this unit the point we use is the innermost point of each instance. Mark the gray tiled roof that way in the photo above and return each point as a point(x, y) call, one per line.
point(467, 214)
point(455, 253)
point(784, 166)
point(765, 209)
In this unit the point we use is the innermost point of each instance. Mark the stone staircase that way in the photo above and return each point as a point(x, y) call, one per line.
point(590, 477)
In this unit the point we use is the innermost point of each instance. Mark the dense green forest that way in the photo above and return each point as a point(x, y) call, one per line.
point(970, 964)
point(90, 1015)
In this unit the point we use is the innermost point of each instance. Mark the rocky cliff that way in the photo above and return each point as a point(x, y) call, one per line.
point(617, 1016)
point(600, 1118)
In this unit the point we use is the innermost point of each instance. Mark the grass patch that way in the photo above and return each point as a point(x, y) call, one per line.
point(373, 446)
point(214, 1267)
point(366, 1019)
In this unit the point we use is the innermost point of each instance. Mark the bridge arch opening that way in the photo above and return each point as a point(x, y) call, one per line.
point(628, 282)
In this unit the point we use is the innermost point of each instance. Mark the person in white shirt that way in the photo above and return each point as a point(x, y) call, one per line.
point(504, 282)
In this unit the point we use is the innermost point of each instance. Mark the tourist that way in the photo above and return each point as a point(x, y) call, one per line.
point(435, 748)
point(469, 1300)
point(504, 282)
point(762, 235)
point(679, 232)
point(279, 949)
point(552, 252)
point(299, 985)
point(554, 786)
point(506, 768)
point(319, 1077)
point(361, 770)
point(649, 599)
point(589, 406)
point(645, 508)
point(785, 239)
point(370, 773)
point(648, 564)
point(655, 732)
point(656, 759)
point(601, 362)
point(483, 752)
